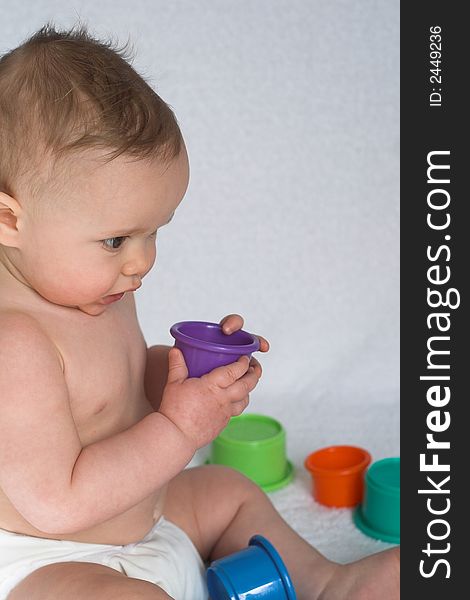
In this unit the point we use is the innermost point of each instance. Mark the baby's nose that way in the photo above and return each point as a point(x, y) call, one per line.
point(135, 269)
point(138, 259)
point(138, 265)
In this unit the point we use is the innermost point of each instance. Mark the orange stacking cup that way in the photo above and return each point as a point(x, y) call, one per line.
point(338, 474)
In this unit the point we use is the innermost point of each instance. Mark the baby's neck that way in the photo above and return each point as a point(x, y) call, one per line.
point(14, 289)
point(9, 274)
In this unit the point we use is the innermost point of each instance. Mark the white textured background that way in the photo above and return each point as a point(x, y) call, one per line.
point(290, 110)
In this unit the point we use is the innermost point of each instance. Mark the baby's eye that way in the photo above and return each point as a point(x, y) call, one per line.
point(114, 243)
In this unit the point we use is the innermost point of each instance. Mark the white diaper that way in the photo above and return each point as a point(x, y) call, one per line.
point(166, 557)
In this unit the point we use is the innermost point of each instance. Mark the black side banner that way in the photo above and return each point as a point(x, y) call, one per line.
point(435, 256)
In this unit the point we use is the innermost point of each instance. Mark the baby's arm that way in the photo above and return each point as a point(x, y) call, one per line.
point(156, 371)
point(60, 487)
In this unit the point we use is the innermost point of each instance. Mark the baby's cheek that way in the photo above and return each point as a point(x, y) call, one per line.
point(92, 283)
point(74, 284)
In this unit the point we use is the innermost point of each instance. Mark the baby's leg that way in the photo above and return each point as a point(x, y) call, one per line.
point(84, 581)
point(220, 509)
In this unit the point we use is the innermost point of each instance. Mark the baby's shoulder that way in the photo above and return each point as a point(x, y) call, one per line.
point(18, 328)
point(13, 320)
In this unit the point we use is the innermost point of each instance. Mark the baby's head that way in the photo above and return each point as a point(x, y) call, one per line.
point(92, 163)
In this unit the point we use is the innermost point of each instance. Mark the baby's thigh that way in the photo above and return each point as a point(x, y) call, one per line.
point(84, 581)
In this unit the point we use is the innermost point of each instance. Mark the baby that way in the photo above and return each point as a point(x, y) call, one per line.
point(96, 429)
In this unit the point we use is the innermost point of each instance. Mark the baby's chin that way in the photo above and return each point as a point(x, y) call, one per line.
point(93, 310)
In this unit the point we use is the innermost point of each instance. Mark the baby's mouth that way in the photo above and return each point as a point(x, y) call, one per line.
point(116, 297)
point(112, 298)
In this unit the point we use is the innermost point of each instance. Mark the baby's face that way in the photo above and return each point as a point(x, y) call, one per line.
point(99, 239)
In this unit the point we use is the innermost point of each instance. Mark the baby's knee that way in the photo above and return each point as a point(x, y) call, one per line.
point(232, 480)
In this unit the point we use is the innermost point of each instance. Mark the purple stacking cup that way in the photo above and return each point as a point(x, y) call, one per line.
point(205, 346)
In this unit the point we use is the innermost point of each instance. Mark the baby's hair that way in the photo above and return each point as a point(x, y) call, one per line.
point(62, 92)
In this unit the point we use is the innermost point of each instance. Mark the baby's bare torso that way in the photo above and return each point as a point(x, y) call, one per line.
point(104, 361)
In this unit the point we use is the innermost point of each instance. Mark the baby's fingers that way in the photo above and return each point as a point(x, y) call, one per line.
point(231, 323)
point(263, 344)
point(239, 407)
point(225, 376)
point(243, 386)
point(256, 366)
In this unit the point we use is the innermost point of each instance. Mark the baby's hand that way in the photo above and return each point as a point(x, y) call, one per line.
point(202, 406)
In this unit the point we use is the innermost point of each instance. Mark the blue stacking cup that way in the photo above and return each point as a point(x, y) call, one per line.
point(255, 572)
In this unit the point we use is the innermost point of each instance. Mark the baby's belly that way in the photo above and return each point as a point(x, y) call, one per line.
point(128, 527)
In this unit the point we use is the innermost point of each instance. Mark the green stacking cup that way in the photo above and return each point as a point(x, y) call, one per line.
point(255, 445)
point(379, 514)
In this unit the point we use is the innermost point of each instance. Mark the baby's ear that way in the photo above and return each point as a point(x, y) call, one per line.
point(9, 212)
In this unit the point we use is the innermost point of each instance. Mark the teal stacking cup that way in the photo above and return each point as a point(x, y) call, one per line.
point(379, 514)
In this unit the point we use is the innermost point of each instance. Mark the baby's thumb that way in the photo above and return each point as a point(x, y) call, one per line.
point(177, 369)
